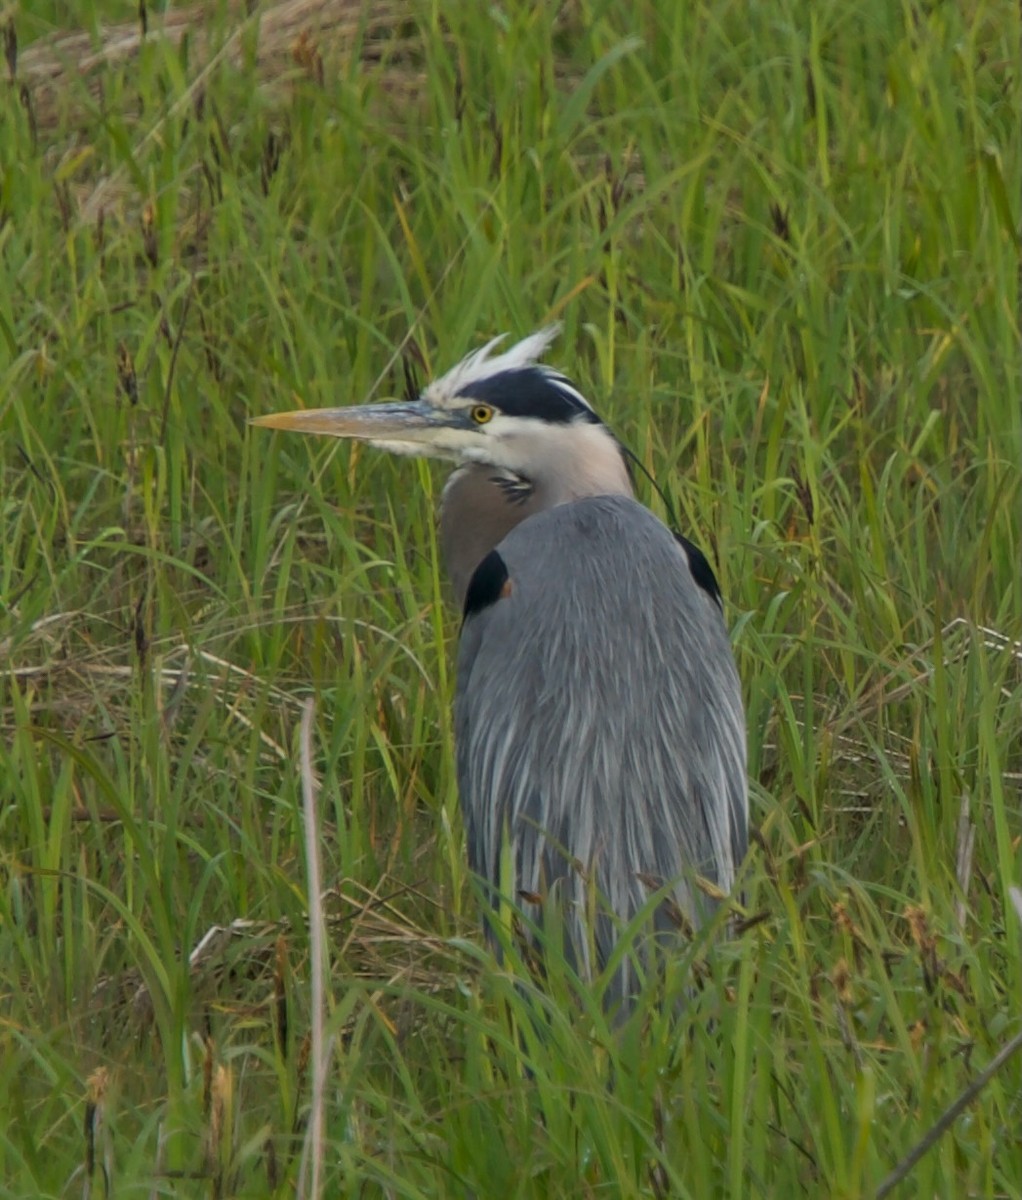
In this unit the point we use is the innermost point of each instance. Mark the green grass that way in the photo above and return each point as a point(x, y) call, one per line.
point(783, 240)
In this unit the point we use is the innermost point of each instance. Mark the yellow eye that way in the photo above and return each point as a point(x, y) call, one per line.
point(481, 413)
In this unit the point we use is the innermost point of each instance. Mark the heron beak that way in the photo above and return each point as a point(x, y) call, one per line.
point(411, 423)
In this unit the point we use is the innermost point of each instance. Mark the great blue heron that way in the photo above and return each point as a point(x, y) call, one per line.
point(598, 715)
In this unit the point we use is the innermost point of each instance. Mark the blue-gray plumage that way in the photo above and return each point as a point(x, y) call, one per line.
point(599, 721)
point(598, 712)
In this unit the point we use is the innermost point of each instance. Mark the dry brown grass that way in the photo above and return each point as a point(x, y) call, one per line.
point(57, 76)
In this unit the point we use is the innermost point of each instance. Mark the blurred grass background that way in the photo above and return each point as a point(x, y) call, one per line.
point(784, 243)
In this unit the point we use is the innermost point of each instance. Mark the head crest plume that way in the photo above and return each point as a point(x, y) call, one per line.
point(481, 364)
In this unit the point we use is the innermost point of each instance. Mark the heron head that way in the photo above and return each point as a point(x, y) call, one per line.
point(502, 410)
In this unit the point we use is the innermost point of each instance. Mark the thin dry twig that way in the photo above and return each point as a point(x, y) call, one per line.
point(948, 1117)
point(966, 842)
point(310, 1179)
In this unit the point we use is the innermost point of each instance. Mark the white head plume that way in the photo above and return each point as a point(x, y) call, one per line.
point(481, 365)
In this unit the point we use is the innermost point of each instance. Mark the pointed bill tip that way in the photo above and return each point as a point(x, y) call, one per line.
point(334, 422)
point(272, 420)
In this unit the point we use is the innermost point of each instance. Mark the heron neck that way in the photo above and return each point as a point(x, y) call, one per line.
point(482, 503)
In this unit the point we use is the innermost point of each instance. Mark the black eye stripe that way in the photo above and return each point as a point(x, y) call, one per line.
point(530, 392)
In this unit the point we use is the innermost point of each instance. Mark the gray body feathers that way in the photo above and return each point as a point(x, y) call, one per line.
point(599, 722)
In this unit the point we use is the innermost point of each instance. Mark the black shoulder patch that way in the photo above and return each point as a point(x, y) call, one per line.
point(531, 392)
point(701, 570)
point(487, 585)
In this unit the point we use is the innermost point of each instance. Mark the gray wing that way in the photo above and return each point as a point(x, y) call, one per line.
point(598, 715)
